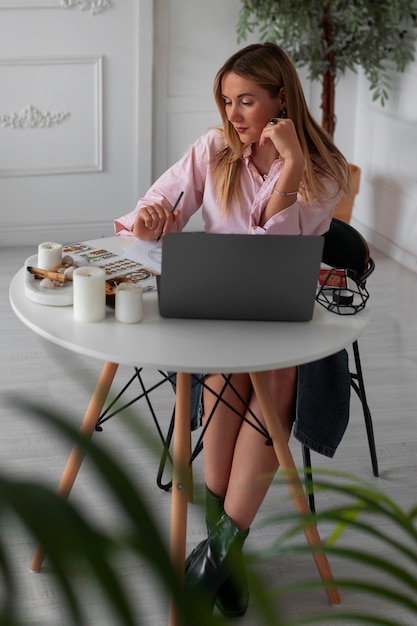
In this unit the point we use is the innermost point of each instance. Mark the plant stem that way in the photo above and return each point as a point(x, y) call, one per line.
point(328, 87)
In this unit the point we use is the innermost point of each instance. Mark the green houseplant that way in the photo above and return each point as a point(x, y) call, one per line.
point(75, 545)
point(329, 37)
point(385, 565)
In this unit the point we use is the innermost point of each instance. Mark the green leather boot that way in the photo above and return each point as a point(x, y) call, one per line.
point(233, 596)
point(215, 569)
point(214, 511)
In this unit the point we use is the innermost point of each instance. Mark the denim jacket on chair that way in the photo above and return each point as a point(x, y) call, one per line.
point(323, 402)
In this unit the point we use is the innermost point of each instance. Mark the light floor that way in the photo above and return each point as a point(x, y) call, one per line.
point(35, 369)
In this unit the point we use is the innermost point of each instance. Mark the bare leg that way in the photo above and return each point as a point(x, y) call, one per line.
point(238, 464)
point(220, 437)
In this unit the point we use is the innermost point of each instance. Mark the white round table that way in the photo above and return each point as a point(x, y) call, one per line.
point(188, 346)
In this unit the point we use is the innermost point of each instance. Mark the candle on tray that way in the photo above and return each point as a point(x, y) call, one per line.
point(89, 294)
point(49, 255)
point(129, 303)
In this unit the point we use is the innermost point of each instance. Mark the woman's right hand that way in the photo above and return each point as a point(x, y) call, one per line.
point(153, 221)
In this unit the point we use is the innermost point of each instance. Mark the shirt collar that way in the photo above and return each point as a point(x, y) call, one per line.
point(247, 151)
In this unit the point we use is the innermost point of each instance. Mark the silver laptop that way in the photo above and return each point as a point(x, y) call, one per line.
point(239, 277)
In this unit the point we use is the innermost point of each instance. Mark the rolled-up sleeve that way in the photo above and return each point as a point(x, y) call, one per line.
point(124, 225)
point(301, 218)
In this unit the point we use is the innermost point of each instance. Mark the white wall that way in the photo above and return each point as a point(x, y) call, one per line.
point(75, 116)
point(386, 150)
point(145, 129)
point(192, 41)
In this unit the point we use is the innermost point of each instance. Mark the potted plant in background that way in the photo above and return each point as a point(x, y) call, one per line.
point(329, 37)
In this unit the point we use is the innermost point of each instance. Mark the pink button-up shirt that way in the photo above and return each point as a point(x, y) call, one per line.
point(192, 174)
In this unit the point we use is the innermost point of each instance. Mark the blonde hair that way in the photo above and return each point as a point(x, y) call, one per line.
point(267, 65)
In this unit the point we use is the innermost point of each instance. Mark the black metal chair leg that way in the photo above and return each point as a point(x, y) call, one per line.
point(308, 478)
point(165, 456)
point(359, 387)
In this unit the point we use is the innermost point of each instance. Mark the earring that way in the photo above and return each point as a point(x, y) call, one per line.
point(283, 113)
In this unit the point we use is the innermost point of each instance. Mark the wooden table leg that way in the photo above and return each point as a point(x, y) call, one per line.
point(75, 459)
point(290, 473)
point(181, 482)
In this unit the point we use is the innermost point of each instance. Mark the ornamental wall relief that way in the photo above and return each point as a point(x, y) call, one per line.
point(31, 117)
point(94, 6)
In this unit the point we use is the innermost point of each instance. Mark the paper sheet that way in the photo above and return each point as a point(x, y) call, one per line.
point(148, 253)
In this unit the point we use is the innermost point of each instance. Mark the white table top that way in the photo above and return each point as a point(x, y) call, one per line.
point(187, 345)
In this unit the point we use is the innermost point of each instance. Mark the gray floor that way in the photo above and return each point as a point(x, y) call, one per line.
point(35, 369)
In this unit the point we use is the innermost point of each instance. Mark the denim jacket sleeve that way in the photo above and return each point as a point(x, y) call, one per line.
point(323, 401)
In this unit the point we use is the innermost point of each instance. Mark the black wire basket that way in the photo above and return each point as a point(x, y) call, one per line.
point(342, 291)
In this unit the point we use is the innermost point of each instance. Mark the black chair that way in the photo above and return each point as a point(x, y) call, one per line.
point(347, 254)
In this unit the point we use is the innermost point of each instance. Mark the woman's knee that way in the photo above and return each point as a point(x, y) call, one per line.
point(227, 394)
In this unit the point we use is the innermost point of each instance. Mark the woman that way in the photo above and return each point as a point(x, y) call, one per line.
point(270, 169)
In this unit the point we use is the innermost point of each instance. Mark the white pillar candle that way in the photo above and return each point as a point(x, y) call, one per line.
point(129, 303)
point(89, 294)
point(49, 255)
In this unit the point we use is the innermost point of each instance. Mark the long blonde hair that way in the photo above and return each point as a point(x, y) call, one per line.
point(267, 65)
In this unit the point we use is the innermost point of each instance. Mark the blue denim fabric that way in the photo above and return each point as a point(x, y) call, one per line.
point(323, 403)
point(196, 397)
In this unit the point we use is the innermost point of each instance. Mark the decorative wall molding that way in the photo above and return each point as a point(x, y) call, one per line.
point(32, 117)
point(29, 4)
point(94, 6)
point(69, 95)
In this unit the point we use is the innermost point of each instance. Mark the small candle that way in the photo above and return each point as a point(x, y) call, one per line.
point(343, 296)
point(129, 303)
point(89, 294)
point(49, 255)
